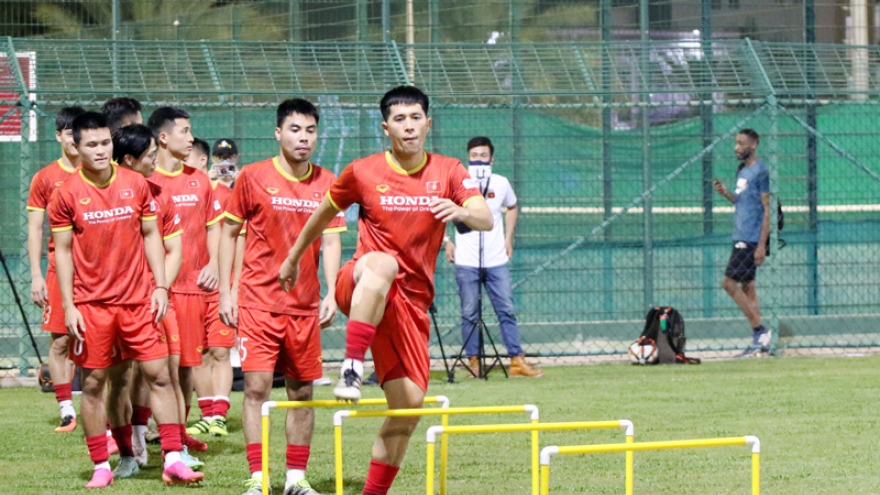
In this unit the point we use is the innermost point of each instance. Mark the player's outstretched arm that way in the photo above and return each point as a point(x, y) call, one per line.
point(39, 293)
point(73, 320)
point(155, 253)
point(331, 251)
point(475, 214)
point(316, 224)
point(227, 254)
point(209, 278)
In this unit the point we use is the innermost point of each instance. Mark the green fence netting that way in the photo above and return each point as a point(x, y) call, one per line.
point(610, 147)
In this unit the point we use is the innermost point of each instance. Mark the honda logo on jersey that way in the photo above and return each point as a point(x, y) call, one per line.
point(434, 186)
point(111, 213)
point(126, 194)
point(185, 198)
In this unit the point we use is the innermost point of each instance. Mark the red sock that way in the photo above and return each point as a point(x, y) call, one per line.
point(298, 456)
point(186, 414)
point(254, 456)
point(182, 433)
point(206, 404)
point(98, 448)
point(358, 337)
point(63, 391)
point(169, 437)
point(221, 406)
point(140, 415)
point(379, 478)
point(122, 435)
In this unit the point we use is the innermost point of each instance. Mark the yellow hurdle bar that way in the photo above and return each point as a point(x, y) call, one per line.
point(534, 428)
point(400, 413)
point(269, 405)
point(546, 452)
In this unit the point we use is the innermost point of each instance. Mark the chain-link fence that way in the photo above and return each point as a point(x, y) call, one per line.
point(829, 21)
point(611, 148)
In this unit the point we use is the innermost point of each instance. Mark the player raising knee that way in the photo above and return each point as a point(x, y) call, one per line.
point(103, 220)
point(406, 196)
point(280, 330)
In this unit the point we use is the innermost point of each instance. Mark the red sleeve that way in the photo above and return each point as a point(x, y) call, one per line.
point(346, 190)
point(238, 206)
point(336, 225)
point(462, 188)
point(38, 197)
point(170, 219)
point(61, 214)
point(214, 211)
point(149, 208)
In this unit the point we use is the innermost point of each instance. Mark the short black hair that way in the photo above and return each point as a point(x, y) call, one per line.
point(118, 109)
point(481, 141)
point(296, 105)
point(403, 95)
point(88, 121)
point(202, 146)
point(164, 116)
point(751, 133)
point(131, 140)
point(65, 117)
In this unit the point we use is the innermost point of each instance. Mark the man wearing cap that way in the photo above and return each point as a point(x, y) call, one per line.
point(213, 379)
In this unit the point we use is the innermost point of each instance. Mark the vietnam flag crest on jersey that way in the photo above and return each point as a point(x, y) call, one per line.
point(434, 186)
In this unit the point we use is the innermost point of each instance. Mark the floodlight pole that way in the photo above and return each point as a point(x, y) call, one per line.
point(812, 162)
point(644, 68)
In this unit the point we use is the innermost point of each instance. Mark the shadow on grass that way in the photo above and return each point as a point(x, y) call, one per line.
point(351, 486)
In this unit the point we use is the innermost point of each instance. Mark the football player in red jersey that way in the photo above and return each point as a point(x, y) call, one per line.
point(406, 197)
point(103, 221)
point(44, 292)
point(200, 216)
point(278, 329)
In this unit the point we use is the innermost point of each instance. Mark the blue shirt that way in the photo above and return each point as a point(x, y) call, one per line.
point(748, 212)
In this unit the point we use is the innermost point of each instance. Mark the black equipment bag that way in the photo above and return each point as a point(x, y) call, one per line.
point(665, 327)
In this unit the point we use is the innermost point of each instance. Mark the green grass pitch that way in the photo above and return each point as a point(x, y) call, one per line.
point(817, 419)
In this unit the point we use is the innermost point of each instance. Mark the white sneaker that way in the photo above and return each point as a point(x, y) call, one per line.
point(322, 382)
point(139, 446)
point(349, 386)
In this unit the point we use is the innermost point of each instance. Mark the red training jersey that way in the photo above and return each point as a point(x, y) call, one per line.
point(190, 189)
point(108, 247)
point(276, 206)
point(222, 193)
point(395, 216)
point(43, 185)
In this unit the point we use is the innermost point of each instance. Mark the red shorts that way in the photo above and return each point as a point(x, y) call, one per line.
point(270, 341)
point(190, 309)
point(170, 331)
point(53, 313)
point(115, 334)
point(400, 347)
point(219, 335)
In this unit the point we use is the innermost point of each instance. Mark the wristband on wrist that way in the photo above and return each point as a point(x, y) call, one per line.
point(160, 287)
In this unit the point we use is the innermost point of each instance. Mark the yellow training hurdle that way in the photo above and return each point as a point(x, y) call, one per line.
point(673, 444)
point(534, 428)
point(531, 409)
point(269, 405)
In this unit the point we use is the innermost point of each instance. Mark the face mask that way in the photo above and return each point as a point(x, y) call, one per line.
point(480, 170)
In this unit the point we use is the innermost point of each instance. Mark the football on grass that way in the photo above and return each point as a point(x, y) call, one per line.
point(645, 353)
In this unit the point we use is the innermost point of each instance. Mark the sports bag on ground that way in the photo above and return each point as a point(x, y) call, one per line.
point(662, 340)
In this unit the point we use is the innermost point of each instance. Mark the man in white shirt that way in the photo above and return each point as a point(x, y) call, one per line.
point(494, 275)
